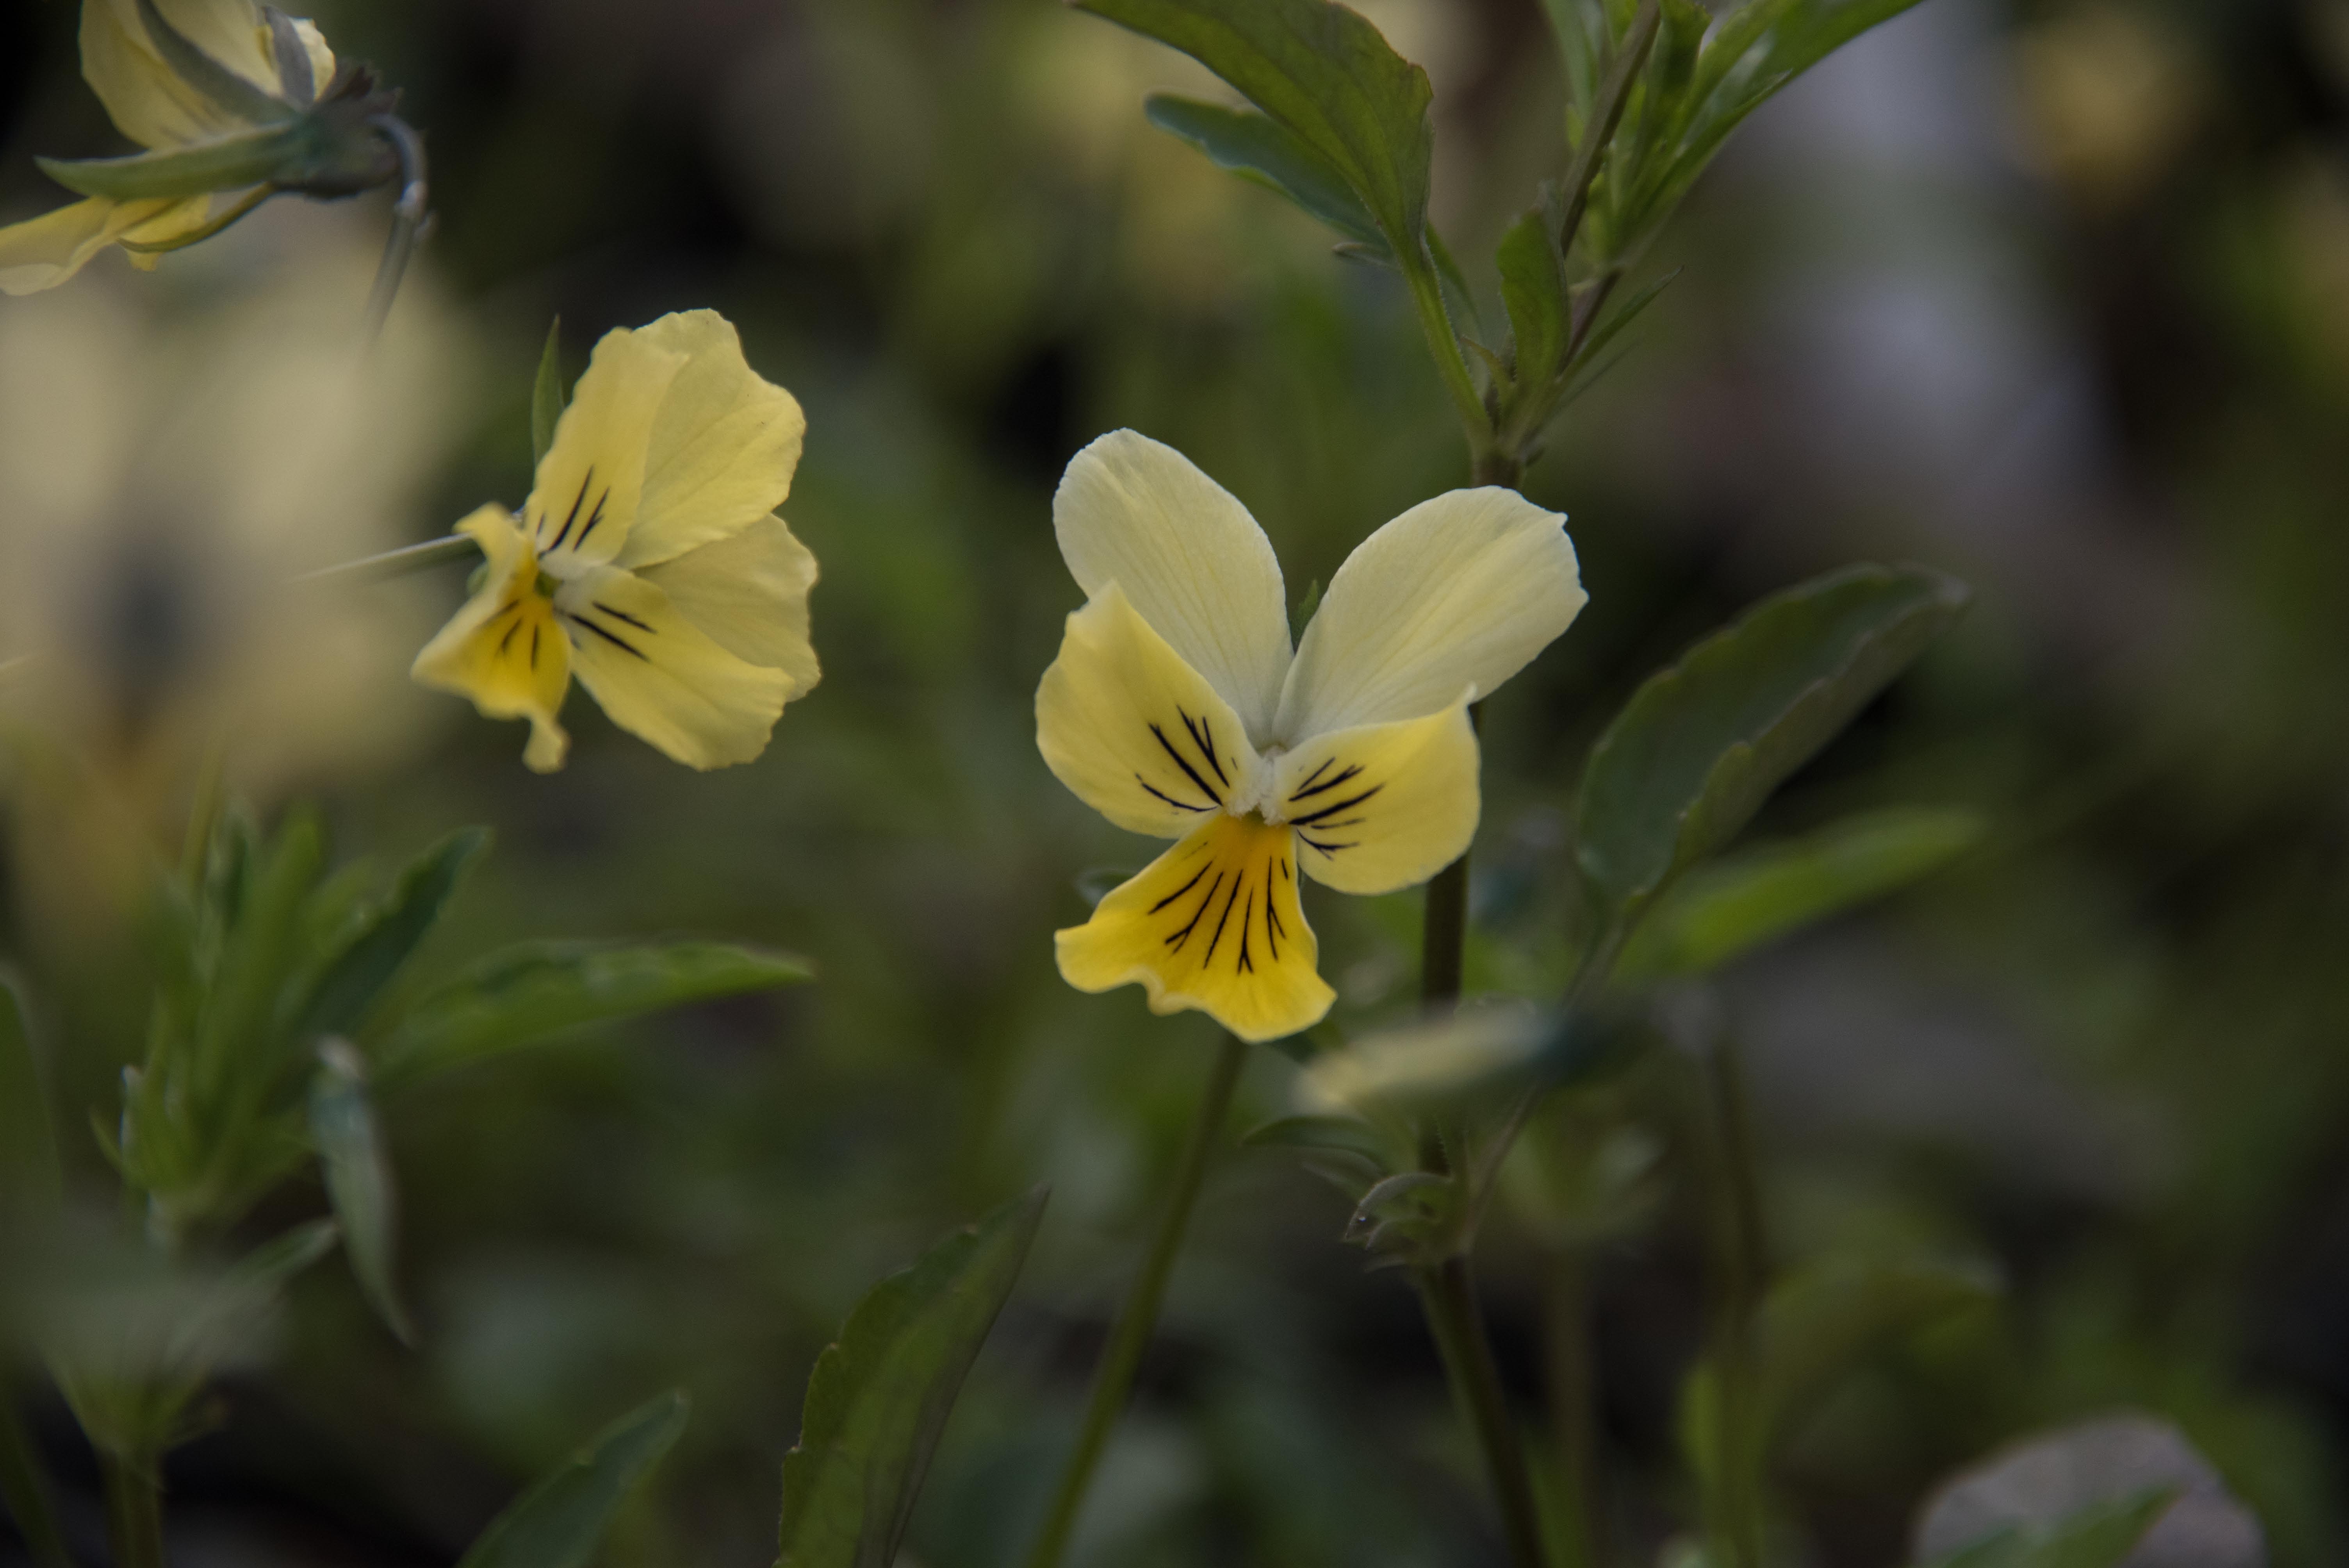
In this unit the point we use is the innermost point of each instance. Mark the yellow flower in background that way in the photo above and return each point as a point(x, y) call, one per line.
point(647, 560)
point(1176, 709)
point(226, 98)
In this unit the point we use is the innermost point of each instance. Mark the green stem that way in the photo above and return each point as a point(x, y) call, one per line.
point(1573, 1407)
point(24, 1487)
point(134, 1510)
point(1114, 1379)
point(391, 563)
point(408, 217)
point(1448, 1296)
point(1736, 1523)
point(1443, 343)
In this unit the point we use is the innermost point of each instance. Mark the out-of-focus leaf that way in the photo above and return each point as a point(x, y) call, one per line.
point(1822, 1318)
point(29, 1173)
point(1339, 1134)
point(1609, 325)
point(359, 1178)
point(1327, 77)
point(559, 1521)
point(1533, 291)
point(1442, 1062)
point(1722, 910)
point(1261, 150)
point(25, 1488)
point(2098, 1536)
point(385, 936)
point(879, 1396)
point(523, 994)
point(546, 397)
point(1701, 744)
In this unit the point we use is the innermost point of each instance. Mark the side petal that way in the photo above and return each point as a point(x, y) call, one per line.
point(750, 594)
point(1195, 565)
point(1463, 589)
point(1134, 731)
point(503, 649)
point(723, 446)
point(146, 99)
point(662, 679)
point(590, 484)
point(1212, 925)
point(44, 251)
point(1382, 806)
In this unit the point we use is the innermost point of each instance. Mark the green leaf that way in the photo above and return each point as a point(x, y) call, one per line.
point(227, 163)
point(1336, 1134)
point(384, 935)
point(1260, 150)
point(1719, 910)
point(559, 1521)
point(30, 1175)
point(2098, 1536)
point(1532, 290)
point(526, 993)
point(879, 1396)
point(359, 1178)
point(1822, 1318)
point(1701, 744)
point(546, 399)
point(1326, 76)
point(228, 91)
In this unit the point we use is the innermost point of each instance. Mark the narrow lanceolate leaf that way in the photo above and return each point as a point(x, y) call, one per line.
point(528, 993)
point(1701, 744)
point(546, 394)
point(1325, 75)
point(30, 1174)
point(1258, 148)
point(230, 163)
point(879, 1396)
point(386, 934)
point(559, 1521)
point(1533, 291)
point(1722, 910)
point(2101, 1535)
point(359, 1178)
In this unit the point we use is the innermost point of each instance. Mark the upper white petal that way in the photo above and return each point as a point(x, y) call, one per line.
point(1460, 591)
point(1191, 560)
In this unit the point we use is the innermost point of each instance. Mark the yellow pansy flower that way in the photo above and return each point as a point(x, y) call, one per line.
point(1176, 709)
point(647, 560)
point(256, 108)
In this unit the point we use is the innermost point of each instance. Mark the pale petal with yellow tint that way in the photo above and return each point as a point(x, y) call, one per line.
point(1382, 806)
point(1190, 558)
point(147, 101)
point(590, 482)
point(1212, 925)
point(1460, 591)
point(1137, 734)
point(174, 223)
point(723, 447)
point(750, 592)
point(44, 251)
point(503, 649)
point(662, 679)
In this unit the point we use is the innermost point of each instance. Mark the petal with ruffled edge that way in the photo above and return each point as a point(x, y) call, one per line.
point(1134, 732)
point(1190, 558)
point(661, 677)
point(503, 649)
point(1460, 591)
point(1382, 806)
point(1212, 925)
point(44, 251)
point(723, 446)
point(590, 484)
point(750, 592)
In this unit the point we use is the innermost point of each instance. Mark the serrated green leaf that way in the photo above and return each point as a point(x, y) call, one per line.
point(879, 1396)
point(1719, 910)
point(1701, 744)
point(30, 1176)
point(385, 934)
point(1327, 77)
point(2098, 1536)
point(1259, 149)
point(359, 1178)
point(558, 1522)
point(527, 993)
point(546, 399)
point(229, 163)
point(1533, 291)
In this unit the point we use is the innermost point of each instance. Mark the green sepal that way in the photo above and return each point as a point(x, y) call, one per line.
point(229, 163)
point(295, 74)
point(546, 399)
point(562, 1519)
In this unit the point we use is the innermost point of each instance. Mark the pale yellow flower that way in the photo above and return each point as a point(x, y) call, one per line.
point(1177, 709)
point(227, 135)
point(647, 560)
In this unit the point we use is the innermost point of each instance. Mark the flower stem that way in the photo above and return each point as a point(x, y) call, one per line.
point(397, 563)
point(1443, 344)
point(408, 219)
point(1572, 1406)
point(134, 1510)
point(1121, 1358)
point(1735, 1514)
point(1448, 1296)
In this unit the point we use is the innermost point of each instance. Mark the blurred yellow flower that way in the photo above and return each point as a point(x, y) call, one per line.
point(217, 123)
point(647, 560)
point(1176, 709)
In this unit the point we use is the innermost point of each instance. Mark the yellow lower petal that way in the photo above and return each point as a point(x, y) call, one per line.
point(1212, 925)
point(504, 649)
point(1382, 806)
point(664, 679)
point(44, 251)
